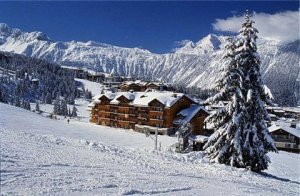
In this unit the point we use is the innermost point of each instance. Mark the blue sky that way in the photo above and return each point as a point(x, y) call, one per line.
point(156, 26)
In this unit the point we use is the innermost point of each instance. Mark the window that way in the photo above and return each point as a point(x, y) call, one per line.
point(288, 145)
point(160, 109)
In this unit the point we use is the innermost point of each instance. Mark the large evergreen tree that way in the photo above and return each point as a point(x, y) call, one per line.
point(241, 137)
point(37, 106)
point(74, 111)
point(56, 107)
point(64, 108)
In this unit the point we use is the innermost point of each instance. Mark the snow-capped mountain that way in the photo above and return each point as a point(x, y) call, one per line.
point(194, 64)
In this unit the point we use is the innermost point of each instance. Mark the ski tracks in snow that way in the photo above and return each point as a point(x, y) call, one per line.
point(34, 164)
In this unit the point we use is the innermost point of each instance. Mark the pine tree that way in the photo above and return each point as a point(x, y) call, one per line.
point(69, 112)
point(88, 94)
point(43, 97)
point(17, 101)
point(64, 108)
point(37, 106)
point(48, 98)
point(56, 107)
point(74, 111)
point(28, 105)
point(241, 137)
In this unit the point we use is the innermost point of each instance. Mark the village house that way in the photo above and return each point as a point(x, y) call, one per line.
point(141, 86)
point(286, 136)
point(286, 112)
point(90, 75)
point(129, 85)
point(147, 111)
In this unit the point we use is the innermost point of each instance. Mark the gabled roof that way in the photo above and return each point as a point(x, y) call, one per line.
point(189, 114)
point(198, 138)
point(168, 99)
point(128, 95)
point(286, 127)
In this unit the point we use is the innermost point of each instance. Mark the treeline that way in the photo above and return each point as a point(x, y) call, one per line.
point(24, 79)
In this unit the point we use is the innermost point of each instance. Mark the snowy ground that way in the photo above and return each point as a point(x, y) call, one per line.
point(81, 105)
point(44, 156)
point(94, 87)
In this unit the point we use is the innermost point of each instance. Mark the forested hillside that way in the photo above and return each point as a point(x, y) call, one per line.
point(24, 79)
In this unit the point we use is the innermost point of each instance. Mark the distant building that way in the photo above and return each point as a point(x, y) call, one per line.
point(113, 78)
point(286, 136)
point(90, 75)
point(286, 112)
point(217, 106)
point(128, 86)
point(35, 83)
point(142, 111)
point(141, 86)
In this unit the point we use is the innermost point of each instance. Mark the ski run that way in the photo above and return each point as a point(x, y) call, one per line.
point(42, 156)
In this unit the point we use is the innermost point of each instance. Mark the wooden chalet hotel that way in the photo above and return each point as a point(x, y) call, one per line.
point(150, 110)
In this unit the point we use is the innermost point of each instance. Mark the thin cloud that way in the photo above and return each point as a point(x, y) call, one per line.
point(281, 26)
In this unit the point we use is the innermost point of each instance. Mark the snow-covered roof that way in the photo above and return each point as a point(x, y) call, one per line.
point(166, 98)
point(144, 98)
point(292, 109)
point(128, 95)
point(286, 127)
point(272, 115)
point(189, 114)
point(198, 138)
point(279, 111)
point(142, 83)
point(89, 71)
point(92, 104)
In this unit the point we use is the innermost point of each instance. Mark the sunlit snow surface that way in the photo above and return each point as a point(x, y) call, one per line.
point(41, 156)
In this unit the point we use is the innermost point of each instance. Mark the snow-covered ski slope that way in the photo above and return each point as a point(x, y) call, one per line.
point(94, 87)
point(41, 156)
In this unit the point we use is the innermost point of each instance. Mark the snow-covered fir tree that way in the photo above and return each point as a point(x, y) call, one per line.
point(48, 98)
point(87, 94)
point(26, 104)
point(17, 100)
point(64, 108)
point(74, 111)
point(241, 137)
point(56, 107)
point(34, 79)
point(37, 106)
point(28, 107)
point(69, 112)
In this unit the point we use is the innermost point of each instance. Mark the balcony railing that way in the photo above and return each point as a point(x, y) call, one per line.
point(155, 119)
point(287, 145)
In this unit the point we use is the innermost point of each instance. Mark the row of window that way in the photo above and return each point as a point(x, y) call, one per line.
point(284, 137)
point(159, 117)
point(160, 109)
point(291, 146)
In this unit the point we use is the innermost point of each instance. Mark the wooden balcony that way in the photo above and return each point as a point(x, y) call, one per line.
point(159, 113)
point(157, 120)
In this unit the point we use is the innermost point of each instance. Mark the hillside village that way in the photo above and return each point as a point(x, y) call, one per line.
point(132, 106)
point(96, 128)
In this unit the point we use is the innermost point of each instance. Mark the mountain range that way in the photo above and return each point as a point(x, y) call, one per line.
point(195, 64)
